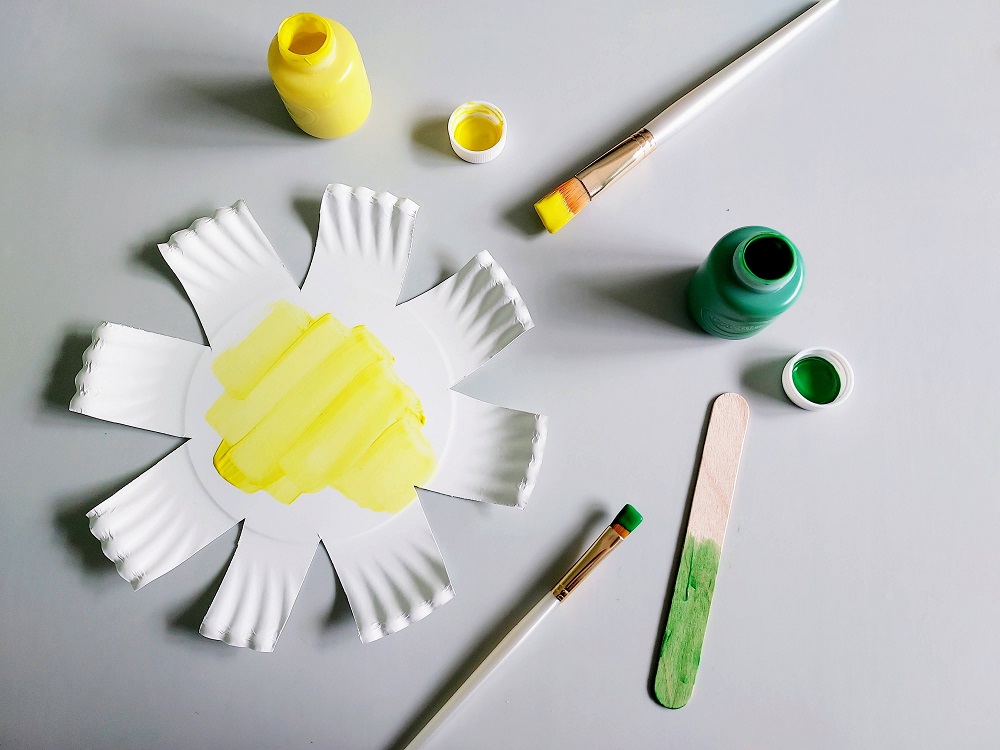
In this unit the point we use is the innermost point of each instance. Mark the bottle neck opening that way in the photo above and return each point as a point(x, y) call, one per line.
point(765, 262)
point(305, 39)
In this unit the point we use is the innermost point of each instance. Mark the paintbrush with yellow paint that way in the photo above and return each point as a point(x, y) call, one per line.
point(569, 199)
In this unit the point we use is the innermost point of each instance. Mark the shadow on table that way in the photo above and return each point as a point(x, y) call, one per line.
point(61, 384)
point(73, 526)
point(764, 377)
point(307, 208)
point(659, 295)
point(71, 522)
point(203, 110)
point(430, 134)
point(253, 99)
point(186, 619)
point(147, 257)
point(340, 611)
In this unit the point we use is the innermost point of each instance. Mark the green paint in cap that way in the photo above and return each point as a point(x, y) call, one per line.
point(817, 378)
point(628, 518)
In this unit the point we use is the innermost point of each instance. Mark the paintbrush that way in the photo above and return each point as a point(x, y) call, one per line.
point(570, 198)
point(625, 522)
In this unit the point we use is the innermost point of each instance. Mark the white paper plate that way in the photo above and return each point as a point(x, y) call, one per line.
point(389, 564)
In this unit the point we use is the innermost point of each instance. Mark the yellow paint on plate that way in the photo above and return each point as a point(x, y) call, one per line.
point(308, 404)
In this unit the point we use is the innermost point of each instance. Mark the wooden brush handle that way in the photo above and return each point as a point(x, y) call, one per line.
point(692, 104)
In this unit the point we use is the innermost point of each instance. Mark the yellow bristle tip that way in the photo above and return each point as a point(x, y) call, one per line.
point(554, 211)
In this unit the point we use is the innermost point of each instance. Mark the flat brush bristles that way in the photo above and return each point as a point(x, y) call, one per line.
point(628, 518)
point(562, 204)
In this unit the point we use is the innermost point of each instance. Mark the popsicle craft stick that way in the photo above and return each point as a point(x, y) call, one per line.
point(684, 634)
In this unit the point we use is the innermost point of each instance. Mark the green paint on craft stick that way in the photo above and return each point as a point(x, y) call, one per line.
point(686, 623)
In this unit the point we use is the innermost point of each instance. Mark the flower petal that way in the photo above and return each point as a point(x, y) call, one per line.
point(473, 314)
point(393, 575)
point(258, 591)
point(136, 378)
point(158, 520)
point(226, 264)
point(493, 455)
point(363, 240)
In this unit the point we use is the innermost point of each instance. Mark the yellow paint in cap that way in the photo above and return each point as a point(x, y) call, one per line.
point(478, 132)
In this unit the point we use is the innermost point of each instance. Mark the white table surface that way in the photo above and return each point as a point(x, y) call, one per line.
point(857, 603)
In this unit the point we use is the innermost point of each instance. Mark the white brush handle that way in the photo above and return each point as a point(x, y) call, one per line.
point(491, 662)
point(692, 104)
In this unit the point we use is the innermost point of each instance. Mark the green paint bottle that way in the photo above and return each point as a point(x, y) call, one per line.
point(750, 277)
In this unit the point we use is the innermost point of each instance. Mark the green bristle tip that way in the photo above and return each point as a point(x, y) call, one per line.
point(629, 518)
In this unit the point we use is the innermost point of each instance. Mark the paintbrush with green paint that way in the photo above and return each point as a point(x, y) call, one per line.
point(625, 523)
point(684, 634)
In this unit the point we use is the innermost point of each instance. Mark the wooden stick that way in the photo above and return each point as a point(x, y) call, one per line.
point(706, 531)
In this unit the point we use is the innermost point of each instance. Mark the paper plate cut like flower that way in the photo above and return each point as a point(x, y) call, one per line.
point(311, 417)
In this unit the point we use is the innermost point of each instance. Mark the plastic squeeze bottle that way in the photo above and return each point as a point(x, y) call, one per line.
point(317, 68)
point(751, 276)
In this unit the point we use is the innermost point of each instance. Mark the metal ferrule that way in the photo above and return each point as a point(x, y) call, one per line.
point(597, 552)
point(616, 162)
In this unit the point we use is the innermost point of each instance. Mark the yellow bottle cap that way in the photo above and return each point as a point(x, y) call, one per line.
point(478, 132)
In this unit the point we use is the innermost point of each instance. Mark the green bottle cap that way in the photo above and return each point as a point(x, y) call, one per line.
point(817, 378)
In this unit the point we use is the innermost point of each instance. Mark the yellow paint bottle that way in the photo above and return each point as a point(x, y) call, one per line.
point(317, 68)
